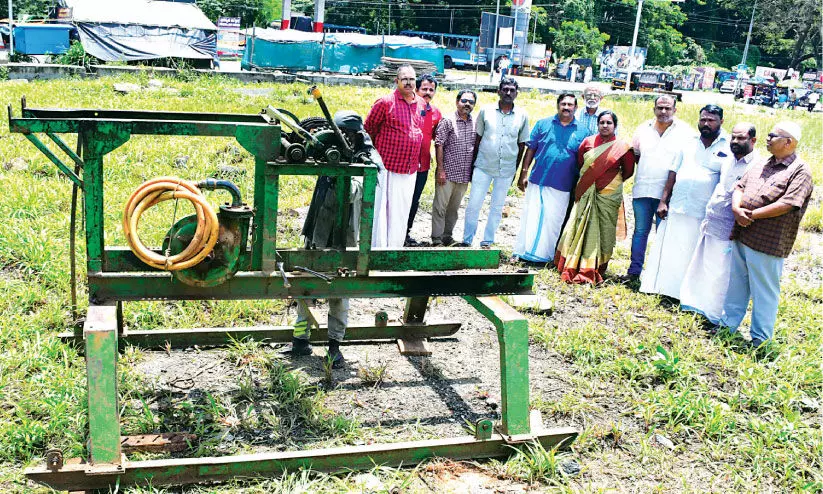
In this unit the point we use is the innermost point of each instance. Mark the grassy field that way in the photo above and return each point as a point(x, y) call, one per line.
point(739, 421)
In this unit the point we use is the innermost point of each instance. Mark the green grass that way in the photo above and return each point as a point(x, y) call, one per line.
point(738, 419)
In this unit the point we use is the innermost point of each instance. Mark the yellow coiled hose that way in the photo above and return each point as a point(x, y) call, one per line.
point(162, 189)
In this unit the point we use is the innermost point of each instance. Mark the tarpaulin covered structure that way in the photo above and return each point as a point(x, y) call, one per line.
point(348, 53)
point(124, 30)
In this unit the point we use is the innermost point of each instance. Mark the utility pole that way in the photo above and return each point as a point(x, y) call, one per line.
point(11, 32)
point(634, 44)
point(749, 36)
point(451, 21)
point(745, 49)
point(494, 48)
point(389, 1)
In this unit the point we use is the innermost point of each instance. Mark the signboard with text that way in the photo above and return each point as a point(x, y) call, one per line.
point(770, 73)
point(229, 38)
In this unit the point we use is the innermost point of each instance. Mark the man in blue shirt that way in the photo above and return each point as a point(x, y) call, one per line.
point(553, 146)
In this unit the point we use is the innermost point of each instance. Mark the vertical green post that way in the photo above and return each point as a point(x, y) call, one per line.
point(272, 190)
point(366, 220)
point(259, 213)
point(100, 332)
point(513, 337)
point(99, 140)
point(93, 200)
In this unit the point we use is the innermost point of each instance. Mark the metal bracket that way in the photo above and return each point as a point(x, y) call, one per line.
point(483, 429)
point(107, 468)
point(54, 459)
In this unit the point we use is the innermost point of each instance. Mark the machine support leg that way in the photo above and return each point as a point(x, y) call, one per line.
point(101, 366)
point(415, 310)
point(513, 337)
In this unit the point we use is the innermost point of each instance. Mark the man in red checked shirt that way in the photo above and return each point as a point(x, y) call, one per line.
point(426, 87)
point(395, 124)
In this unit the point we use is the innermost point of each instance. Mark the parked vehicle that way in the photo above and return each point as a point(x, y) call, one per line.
point(461, 50)
point(645, 81)
point(763, 93)
point(728, 86)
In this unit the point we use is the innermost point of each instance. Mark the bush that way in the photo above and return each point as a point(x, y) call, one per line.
point(75, 55)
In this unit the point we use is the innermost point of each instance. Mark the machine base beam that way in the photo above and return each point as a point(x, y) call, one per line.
point(183, 338)
point(214, 469)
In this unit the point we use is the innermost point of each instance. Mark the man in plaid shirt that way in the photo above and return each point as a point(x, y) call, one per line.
point(454, 149)
point(395, 125)
point(768, 203)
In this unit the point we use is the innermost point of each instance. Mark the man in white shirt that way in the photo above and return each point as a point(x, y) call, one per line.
point(658, 147)
point(683, 205)
point(707, 277)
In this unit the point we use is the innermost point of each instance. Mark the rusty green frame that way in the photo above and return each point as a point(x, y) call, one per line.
point(115, 275)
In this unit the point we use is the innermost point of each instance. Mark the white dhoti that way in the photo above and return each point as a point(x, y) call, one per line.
point(707, 278)
point(392, 202)
point(671, 253)
point(541, 223)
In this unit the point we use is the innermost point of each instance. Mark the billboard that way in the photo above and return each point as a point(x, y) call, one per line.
point(505, 24)
point(229, 38)
point(770, 72)
point(521, 9)
point(705, 77)
point(615, 59)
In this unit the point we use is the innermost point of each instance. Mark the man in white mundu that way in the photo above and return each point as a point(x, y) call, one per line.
point(683, 205)
point(395, 125)
point(707, 277)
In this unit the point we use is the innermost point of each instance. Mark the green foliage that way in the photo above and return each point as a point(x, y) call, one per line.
point(37, 9)
point(730, 57)
point(666, 364)
point(250, 12)
point(18, 57)
point(534, 463)
point(75, 55)
point(576, 38)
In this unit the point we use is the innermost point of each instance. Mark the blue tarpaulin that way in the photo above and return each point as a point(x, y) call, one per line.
point(348, 53)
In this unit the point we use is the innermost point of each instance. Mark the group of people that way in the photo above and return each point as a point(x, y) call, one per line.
point(725, 217)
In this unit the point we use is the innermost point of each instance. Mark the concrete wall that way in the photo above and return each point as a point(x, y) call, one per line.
point(41, 71)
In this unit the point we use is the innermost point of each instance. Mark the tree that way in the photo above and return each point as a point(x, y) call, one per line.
point(576, 38)
point(38, 9)
point(789, 29)
point(250, 12)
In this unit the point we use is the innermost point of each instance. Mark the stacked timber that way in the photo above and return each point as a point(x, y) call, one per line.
point(388, 70)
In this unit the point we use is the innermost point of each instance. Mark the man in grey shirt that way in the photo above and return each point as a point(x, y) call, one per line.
point(502, 132)
point(707, 277)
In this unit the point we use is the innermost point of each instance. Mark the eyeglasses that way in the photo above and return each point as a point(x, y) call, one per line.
point(776, 136)
point(469, 101)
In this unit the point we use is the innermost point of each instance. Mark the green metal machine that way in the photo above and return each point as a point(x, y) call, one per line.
point(245, 263)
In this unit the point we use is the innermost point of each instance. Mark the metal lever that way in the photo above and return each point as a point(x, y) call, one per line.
point(315, 92)
point(286, 283)
point(312, 272)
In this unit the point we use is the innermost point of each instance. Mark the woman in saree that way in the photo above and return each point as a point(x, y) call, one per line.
point(588, 239)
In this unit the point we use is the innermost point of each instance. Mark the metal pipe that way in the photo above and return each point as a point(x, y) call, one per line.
point(285, 120)
point(215, 184)
point(315, 92)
